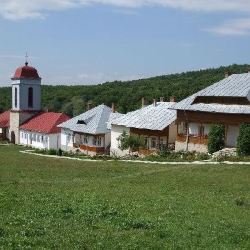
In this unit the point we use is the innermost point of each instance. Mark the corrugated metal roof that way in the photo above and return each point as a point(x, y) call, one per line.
point(94, 121)
point(151, 117)
point(237, 85)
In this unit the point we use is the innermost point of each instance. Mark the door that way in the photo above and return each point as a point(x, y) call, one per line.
point(232, 136)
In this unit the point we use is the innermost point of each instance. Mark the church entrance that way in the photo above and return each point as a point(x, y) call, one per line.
point(12, 137)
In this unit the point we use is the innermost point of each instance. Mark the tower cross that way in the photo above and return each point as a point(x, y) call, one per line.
point(26, 59)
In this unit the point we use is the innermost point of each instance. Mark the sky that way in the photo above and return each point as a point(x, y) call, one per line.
point(94, 41)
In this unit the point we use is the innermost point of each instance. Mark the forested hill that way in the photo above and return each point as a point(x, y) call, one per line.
point(126, 95)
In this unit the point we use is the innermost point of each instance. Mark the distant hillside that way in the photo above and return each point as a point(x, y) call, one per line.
point(126, 95)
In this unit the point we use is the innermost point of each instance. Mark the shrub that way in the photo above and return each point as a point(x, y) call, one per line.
point(216, 138)
point(131, 142)
point(59, 152)
point(52, 152)
point(243, 142)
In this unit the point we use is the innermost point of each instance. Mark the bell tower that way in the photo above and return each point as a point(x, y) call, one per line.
point(26, 98)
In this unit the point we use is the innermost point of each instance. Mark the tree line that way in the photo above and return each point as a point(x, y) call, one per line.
point(126, 95)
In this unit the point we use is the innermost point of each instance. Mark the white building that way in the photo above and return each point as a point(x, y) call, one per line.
point(88, 132)
point(25, 123)
point(155, 123)
point(42, 132)
point(226, 102)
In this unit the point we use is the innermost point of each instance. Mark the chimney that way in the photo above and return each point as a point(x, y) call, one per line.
point(227, 74)
point(155, 102)
point(143, 102)
point(161, 99)
point(172, 99)
point(113, 107)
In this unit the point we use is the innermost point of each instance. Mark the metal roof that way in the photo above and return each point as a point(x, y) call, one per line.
point(152, 117)
point(94, 121)
point(237, 85)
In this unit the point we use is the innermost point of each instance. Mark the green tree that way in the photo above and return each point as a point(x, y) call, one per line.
point(243, 142)
point(216, 138)
point(131, 142)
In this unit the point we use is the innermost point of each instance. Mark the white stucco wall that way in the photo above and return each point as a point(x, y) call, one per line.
point(232, 136)
point(172, 133)
point(66, 140)
point(50, 141)
point(116, 131)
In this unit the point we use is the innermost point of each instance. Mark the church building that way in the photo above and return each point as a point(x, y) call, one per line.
point(26, 123)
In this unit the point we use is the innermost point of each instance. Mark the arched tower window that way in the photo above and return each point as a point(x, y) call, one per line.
point(30, 97)
point(15, 97)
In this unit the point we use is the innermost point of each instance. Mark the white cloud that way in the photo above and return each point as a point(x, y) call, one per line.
point(236, 27)
point(23, 9)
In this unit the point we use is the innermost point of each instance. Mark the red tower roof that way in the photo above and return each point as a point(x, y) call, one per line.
point(26, 72)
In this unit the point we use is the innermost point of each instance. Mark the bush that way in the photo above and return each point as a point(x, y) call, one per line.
point(216, 138)
point(131, 142)
point(59, 152)
point(52, 152)
point(243, 142)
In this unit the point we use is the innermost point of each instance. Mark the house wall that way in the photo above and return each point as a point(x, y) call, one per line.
point(183, 146)
point(116, 132)
point(67, 142)
point(232, 133)
point(16, 119)
point(39, 140)
point(172, 133)
point(196, 120)
point(71, 141)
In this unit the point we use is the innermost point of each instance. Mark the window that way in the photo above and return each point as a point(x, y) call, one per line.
point(25, 136)
point(38, 138)
point(69, 138)
point(182, 128)
point(146, 142)
point(99, 141)
point(153, 142)
point(85, 140)
point(34, 137)
point(94, 141)
point(15, 97)
point(30, 97)
point(194, 129)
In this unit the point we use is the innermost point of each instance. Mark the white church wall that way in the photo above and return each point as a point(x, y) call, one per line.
point(39, 140)
point(22, 87)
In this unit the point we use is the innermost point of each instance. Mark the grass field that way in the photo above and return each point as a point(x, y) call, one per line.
point(63, 204)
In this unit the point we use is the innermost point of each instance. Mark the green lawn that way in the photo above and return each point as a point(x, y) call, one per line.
point(64, 204)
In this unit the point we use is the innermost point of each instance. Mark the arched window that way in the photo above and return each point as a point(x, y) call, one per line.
point(15, 97)
point(30, 97)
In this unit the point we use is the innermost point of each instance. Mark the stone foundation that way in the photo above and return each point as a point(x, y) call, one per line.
point(182, 146)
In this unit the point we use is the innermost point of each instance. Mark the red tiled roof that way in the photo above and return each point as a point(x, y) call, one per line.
point(45, 123)
point(26, 72)
point(5, 119)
